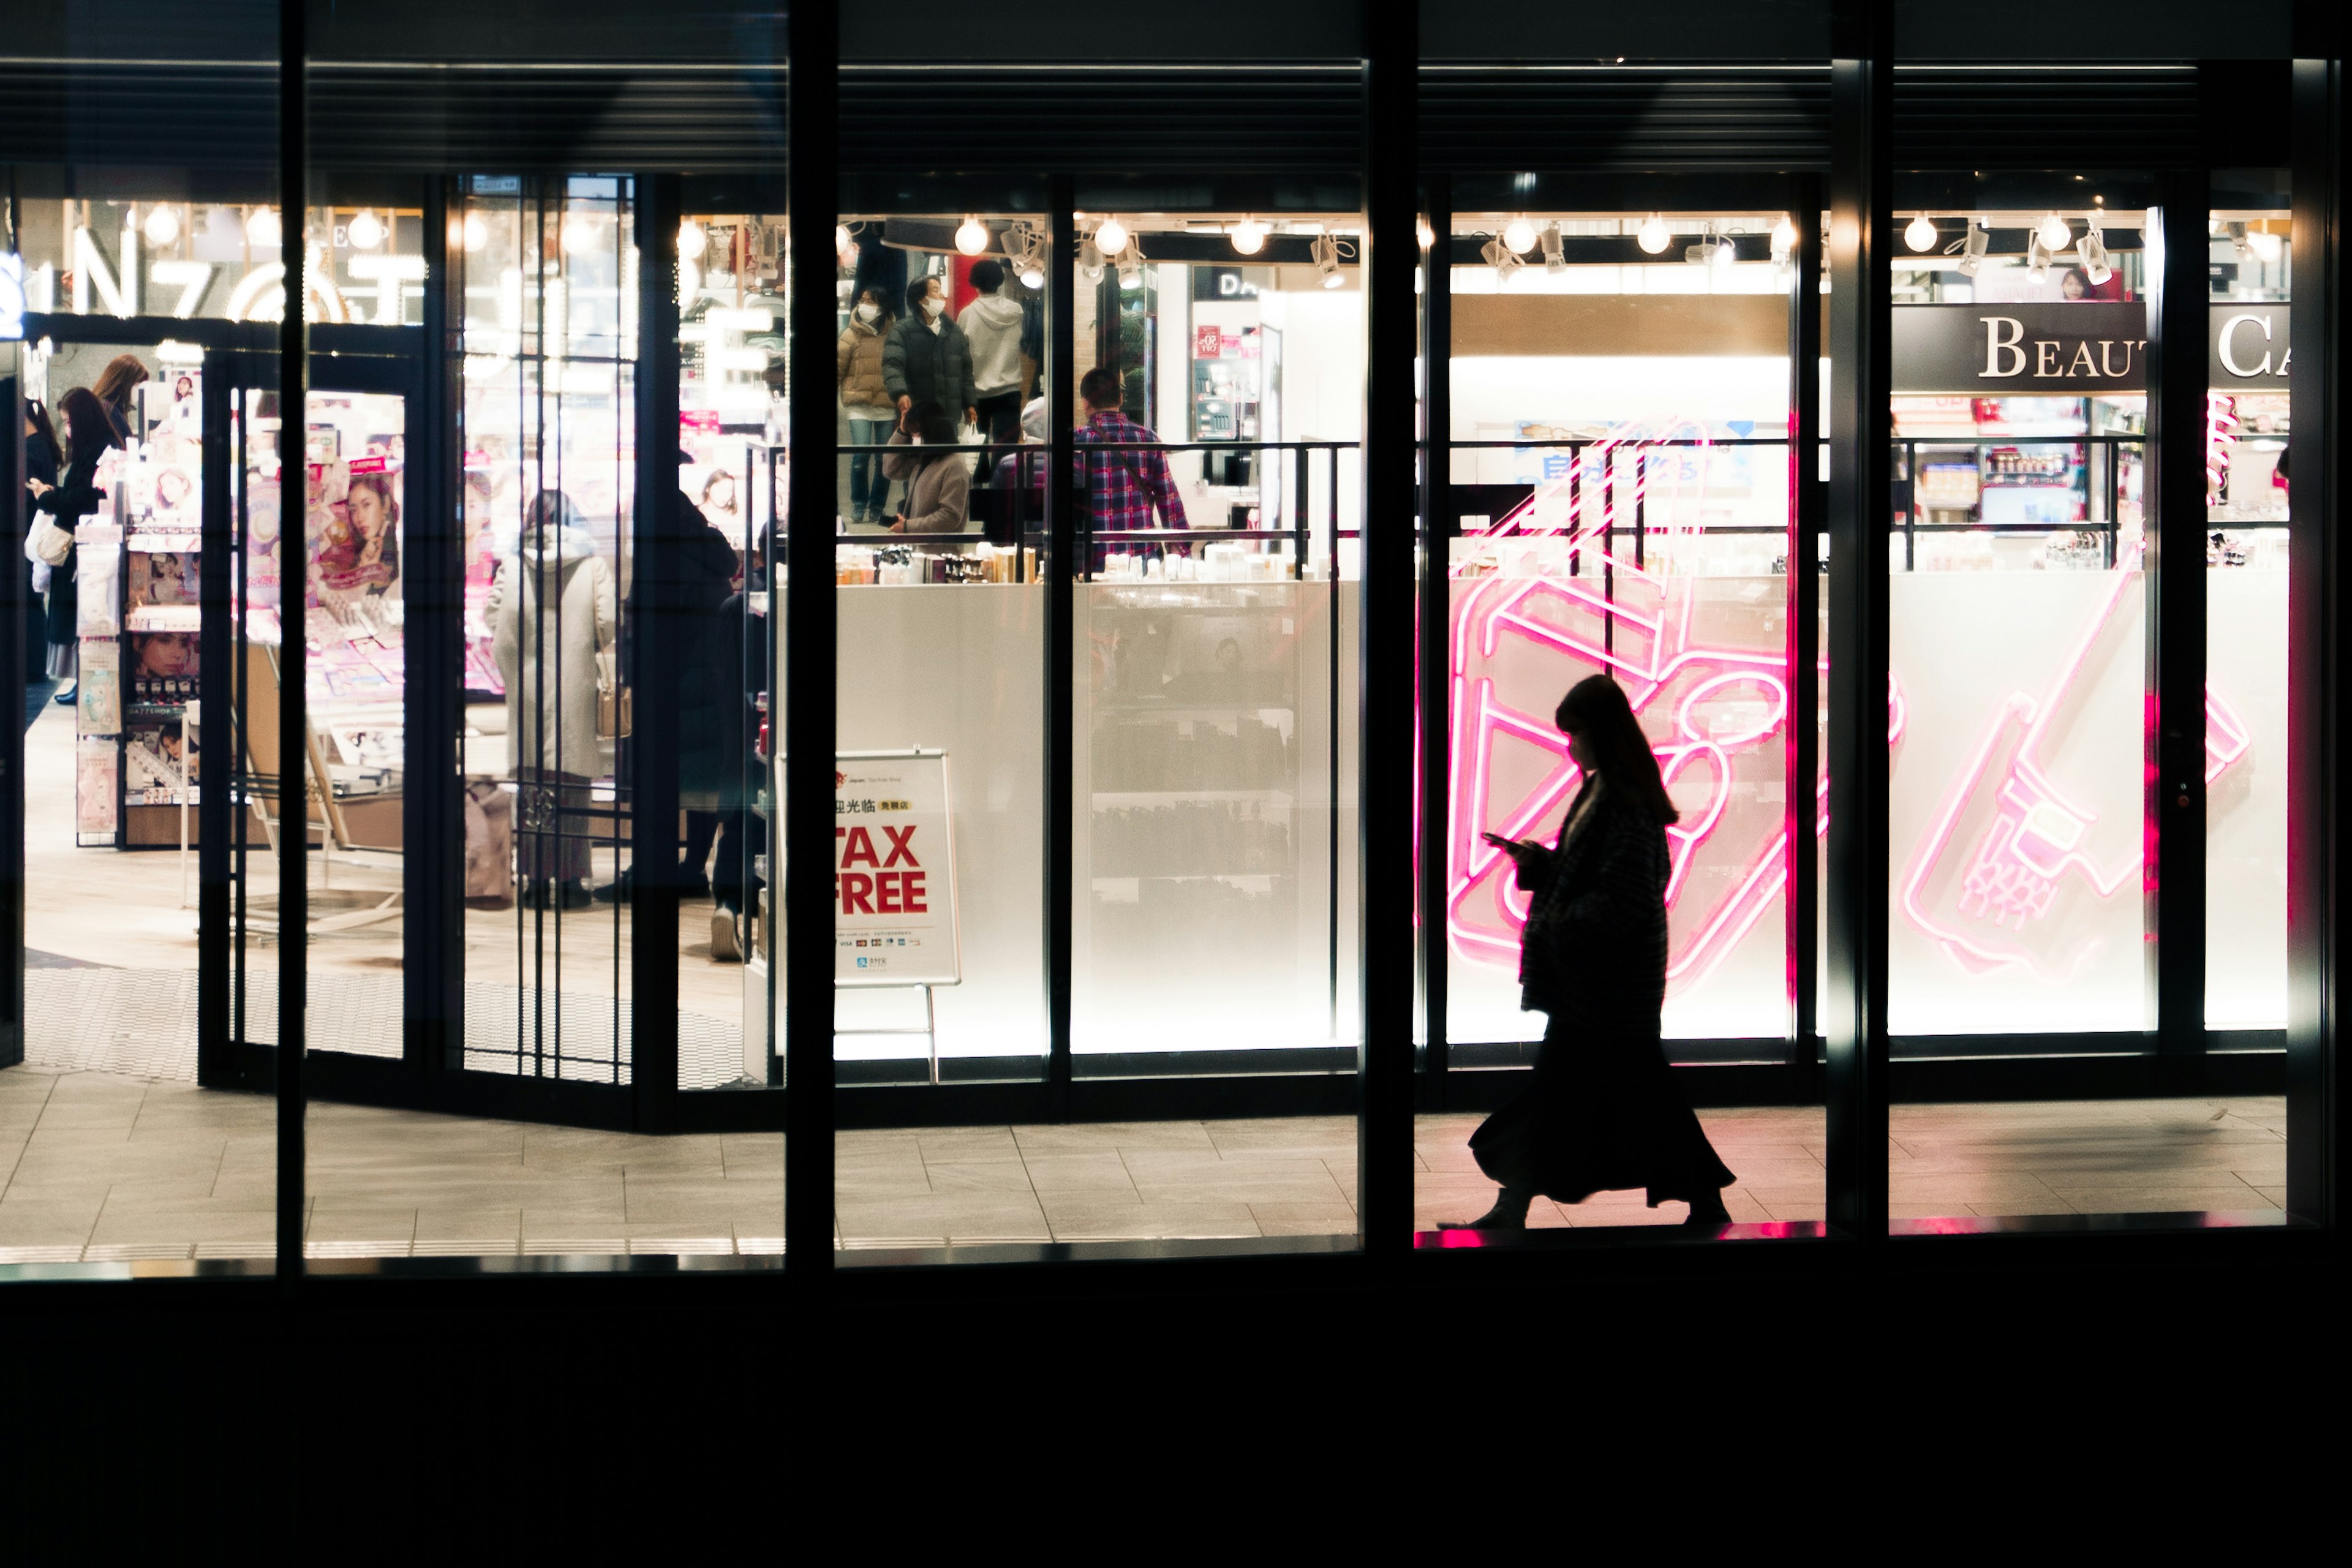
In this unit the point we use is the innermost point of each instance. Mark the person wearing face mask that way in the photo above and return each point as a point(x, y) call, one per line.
point(926, 357)
point(858, 371)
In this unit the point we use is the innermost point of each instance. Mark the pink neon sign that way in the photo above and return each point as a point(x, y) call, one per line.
point(1543, 600)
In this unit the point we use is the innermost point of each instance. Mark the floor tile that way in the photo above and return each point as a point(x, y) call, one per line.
point(1119, 1135)
point(942, 1219)
point(1303, 1219)
point(1166, 1175)
point(1101, 1219)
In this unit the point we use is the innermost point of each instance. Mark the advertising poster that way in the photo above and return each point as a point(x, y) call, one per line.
point(894, 871)
point(98, 699)
point(94, 779)
point(354, 528)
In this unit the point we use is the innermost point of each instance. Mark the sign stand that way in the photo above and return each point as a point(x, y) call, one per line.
point(930, 1031)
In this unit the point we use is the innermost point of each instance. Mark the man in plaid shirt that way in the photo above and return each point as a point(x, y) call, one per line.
point(1124, 487)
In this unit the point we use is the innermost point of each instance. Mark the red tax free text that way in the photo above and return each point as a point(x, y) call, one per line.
point(883, 890)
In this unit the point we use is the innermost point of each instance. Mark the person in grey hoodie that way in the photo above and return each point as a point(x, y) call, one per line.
point(991, 325)
point(926, 358)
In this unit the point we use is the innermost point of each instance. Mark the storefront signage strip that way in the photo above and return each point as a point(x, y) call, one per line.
point(2074, 350)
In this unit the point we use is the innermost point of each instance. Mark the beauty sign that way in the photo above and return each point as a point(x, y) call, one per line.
point(893, 902)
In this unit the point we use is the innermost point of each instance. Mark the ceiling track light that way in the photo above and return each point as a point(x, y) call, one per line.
point(1031, 252)
point(1971, 247)
point(972, 237)
point(2267, 246)
point(1555, 255)
point(1922, 234)
point(1652, 237)
point(1498, 255)
point(1130, 262)
point(2037, 254)
point(2091, 250)
point(1090, 260)
point(1327, 254)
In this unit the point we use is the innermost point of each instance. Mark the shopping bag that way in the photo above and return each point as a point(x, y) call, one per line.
point(490, 845)
point(614, 712)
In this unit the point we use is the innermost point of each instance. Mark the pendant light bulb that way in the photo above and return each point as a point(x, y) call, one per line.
point(2054, 233)
point(262, 230)
point(1652, 235)
point(475, 232)
point(578, 234)
point(1784, 239)
point(841, 241)
point(972, 238)
point(1427, 235)
point(693, 239)
point(2265, 245)
point(163, 225)
point(1110, 238)
point(366, 231)
point(1519, 235)
point(1249, 237)
point(1921, 235)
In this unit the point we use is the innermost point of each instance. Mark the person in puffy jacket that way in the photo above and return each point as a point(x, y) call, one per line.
point(857, 371)
point(926, 357)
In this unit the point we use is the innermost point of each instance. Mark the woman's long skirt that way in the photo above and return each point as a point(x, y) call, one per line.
point(1602, 1112)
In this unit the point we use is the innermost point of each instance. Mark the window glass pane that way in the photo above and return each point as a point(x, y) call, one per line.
point(2018, 625)
point(2246, 615)
point(1621, 484)
point(128, 1139)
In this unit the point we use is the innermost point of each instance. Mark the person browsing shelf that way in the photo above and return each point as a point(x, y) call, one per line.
point(1125, 487)
point(114, 386)
point(991, 325)
point(926, 357)
point(865, 401)
point(89, 432)
point(939, 485)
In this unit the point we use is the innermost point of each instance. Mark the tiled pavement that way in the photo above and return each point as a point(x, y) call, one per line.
point(99, 1166)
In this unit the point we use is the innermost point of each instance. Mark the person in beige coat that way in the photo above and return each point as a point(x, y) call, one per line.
point(553, 607)
point(872, 412)
point(938, 476)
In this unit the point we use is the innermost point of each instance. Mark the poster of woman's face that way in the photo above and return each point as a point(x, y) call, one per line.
point(359, 538)
point(162, 655)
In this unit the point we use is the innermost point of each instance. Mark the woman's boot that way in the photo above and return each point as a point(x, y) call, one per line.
point(1510, 1212)
point(1708, 1210)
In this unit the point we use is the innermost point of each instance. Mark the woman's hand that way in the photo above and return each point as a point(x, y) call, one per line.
point(37, 487)
point(1516, 848)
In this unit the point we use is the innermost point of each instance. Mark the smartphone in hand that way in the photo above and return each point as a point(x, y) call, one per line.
point(1511, 847)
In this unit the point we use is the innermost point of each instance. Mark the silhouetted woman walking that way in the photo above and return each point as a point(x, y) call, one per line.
point(1603, 1110)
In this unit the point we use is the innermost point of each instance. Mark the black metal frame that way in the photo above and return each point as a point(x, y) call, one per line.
point(1406, 493)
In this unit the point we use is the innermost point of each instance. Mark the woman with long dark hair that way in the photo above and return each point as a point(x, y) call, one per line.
point(89, 433)
point(113, 388)
point(1602, 1110)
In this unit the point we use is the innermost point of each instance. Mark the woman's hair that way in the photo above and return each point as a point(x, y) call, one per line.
point(88, 426)
point(552, 508)
point(932, 424)
point(2081, 280)
point(38, 413)
point(712, 483)
point(123, 373)
point(885, 312)
point(1596, 708)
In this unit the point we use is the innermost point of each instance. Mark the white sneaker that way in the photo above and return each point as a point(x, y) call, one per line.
point(725, 946)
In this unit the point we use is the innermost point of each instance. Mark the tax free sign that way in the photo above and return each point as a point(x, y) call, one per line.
point(894, 895)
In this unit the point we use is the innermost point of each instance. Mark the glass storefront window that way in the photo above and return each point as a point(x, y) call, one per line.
point(2019, 618)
